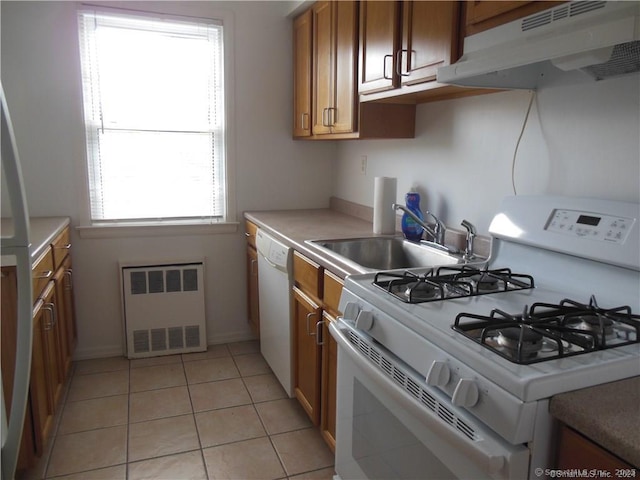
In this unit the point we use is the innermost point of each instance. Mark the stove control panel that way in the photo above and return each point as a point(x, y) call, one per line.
point(604, 228)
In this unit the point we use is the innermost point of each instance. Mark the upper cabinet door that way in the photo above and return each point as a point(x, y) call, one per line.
point(429, 39)
point(302, 75)
point(345, 116)
point(379, 44)
point(323, 100)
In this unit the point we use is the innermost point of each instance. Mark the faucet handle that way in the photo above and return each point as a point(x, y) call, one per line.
point(471, 234)
point(469, 226)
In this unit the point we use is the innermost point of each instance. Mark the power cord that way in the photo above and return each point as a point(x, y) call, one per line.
point(515, 151)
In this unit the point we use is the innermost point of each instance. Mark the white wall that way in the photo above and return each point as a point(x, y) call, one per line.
point(41, 78)
point(580, 140)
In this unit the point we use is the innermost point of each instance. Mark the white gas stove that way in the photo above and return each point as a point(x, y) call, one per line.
point(555, 309)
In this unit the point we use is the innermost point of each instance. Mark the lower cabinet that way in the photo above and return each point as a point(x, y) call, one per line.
point(316, 296)
point(578, 452)
point(329, 380)
point(54, 339)
point(65, 316)
point(253, 301)
point(306, 315)
point(46, 373)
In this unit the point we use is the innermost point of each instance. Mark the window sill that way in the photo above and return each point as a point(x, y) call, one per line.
point(155, 229)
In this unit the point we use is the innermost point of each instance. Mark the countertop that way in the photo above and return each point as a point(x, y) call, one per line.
point(42, 231)
point(608, 414)
point(293, 227)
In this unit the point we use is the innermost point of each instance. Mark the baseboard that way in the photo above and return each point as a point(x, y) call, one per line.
point(231, 337)
point(119, 350)
point(99, 352)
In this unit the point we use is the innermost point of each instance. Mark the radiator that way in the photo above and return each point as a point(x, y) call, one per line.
point(163, 308)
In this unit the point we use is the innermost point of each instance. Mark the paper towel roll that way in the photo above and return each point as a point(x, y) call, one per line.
point(384, 195)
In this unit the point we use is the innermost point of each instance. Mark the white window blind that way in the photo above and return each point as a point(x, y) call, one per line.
point(154, 113)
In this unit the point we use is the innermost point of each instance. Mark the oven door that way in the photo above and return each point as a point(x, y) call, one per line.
point(390, 424)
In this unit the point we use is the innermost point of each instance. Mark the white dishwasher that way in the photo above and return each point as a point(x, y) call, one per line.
point(274, 286)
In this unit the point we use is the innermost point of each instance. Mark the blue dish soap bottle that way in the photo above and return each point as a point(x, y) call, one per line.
point(410, 229)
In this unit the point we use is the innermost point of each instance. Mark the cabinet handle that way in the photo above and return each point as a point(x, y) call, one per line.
point(254, 271)
point(332, 115)
point(46, 274)
point(64, 247)
point(302, 121)
point(319, 339)
point(309, 315)
point(328, 120)
point(69, 275)
point(399, 63)
point(384, 67)
point(50, 307)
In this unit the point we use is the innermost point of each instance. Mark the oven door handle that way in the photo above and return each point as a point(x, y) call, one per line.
point(490, 462)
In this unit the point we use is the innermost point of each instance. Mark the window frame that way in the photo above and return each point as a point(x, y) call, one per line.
point(228, 222)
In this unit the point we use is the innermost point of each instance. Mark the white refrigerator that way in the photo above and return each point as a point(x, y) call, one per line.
point(16, 244)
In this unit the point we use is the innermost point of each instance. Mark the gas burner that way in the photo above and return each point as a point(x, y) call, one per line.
point(422, 291)
point(485, 283)
point(548, 331)
point(525, 339)
point(412, 288)
point(449, 282)
point(488, 280)
point(595, 323)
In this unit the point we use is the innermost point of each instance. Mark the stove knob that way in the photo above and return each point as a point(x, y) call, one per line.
point(351, 311)
point(466, 393)
point(364, 320)
point(439, 374)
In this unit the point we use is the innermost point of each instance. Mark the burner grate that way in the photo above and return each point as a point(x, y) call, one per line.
point(550, 331)
point(449, 282)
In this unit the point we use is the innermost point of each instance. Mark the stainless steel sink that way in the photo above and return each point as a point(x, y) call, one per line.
point(385, 253)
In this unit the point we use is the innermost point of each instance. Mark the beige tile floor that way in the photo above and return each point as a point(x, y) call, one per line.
point(219, 414)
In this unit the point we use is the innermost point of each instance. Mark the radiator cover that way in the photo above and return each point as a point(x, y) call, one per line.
point(163, 308)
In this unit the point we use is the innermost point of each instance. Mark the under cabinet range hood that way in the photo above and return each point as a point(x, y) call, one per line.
point(600, 39)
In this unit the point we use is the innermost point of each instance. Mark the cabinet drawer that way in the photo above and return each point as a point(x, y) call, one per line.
point(332, 291)
point(42, 272)
point(307, 275)
point(61, 247)
point(250, 230)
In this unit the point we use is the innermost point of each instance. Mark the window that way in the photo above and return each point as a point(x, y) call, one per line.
point(153, 90)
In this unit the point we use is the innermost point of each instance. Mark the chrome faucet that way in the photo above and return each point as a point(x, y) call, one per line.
point(471, 235)
point(437, 232)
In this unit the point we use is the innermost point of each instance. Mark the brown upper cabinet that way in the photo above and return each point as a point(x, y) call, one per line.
point(402, 44)
point(326, 102)
point(379, 42)
point(429, 40)
point(482, 15)
point(334, 67)
point(302, 75)
point(361, 66)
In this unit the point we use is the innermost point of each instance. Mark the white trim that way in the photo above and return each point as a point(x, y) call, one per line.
point(99, 352)
point(228, 32)
point(230, 337)
point(154, 230)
